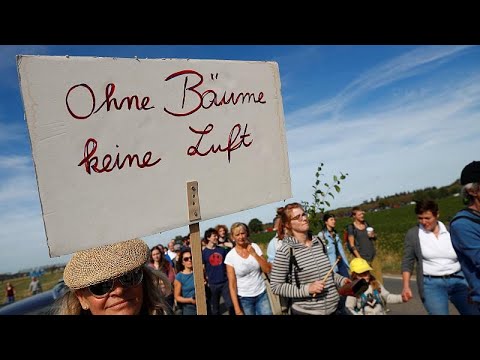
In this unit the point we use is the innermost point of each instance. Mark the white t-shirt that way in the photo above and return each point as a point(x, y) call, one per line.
point(247, 271)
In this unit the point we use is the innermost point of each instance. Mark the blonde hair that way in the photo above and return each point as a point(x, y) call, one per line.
point(153, 299)
point(237, 225)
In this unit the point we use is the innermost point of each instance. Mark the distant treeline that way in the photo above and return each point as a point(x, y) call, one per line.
point(403, 198)
point(390, 202)
point(379, 203)
point(25, 273)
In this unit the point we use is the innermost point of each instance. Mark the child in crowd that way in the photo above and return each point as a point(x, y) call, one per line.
point(373, 301)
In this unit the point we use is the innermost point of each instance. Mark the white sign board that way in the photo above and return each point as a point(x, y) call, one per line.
point(115, 141)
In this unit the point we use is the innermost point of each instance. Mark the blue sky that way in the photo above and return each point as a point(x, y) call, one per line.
point(396, 118)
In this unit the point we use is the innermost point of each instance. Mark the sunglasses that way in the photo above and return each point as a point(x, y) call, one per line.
point(187, 258)
point(299, 216)
point(130, 279)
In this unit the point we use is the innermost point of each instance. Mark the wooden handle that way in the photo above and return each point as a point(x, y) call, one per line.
point(331, 269)
point(329, 272)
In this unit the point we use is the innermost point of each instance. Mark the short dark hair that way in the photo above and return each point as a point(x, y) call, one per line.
point(426, 205)
point(209, 233)
point(327, 216)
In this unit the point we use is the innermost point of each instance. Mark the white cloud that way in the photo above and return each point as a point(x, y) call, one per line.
point(15, 162)
point(22, 239)
point(18, 188)
point(18, 181)
point(10, 132)
point(401, 67)
point(421, 137)
point(409, 144)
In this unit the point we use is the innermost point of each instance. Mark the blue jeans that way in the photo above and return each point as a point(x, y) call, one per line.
point(189, 309)
point(439, 290)
point(218, 290)
point(256, 305)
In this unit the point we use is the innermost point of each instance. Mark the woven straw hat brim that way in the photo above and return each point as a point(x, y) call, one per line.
point(92, 266)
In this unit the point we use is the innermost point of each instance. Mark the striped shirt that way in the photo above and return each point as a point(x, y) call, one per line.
point(314, 265)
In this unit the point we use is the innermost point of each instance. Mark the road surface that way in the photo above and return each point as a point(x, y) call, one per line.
point(394, 285)
point(414, 306)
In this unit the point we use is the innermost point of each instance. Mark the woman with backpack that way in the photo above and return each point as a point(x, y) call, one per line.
point(301, 270)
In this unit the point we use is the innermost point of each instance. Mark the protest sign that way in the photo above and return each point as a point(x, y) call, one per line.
point(114, 142)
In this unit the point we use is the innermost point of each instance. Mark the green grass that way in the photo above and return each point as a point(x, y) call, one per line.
point(48, 281)
point(390, 226)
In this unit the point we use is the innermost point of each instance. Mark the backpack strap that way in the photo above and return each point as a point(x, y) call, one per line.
point(322, 242)
point(323, 239)
point(354, 230)
point(363, 302)
point(293, 265)
point(290, 264)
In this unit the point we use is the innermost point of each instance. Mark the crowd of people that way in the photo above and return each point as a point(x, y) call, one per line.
point(310, 273)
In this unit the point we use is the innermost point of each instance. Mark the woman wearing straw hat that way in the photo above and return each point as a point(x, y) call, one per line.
point(112, 280)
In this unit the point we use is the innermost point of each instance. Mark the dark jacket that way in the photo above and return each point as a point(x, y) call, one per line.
point(412, 252)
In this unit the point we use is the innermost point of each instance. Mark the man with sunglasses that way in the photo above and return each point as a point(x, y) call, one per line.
point(112, 280)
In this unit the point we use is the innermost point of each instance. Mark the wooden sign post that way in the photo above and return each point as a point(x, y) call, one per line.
point(196, 246)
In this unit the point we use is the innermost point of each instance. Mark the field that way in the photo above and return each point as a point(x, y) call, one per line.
point(390, 226)
point(48, 281)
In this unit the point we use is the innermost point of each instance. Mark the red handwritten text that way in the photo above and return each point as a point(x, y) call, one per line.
point(91, 162)
point(235, 141)
point(209, 97)
point(109, 100)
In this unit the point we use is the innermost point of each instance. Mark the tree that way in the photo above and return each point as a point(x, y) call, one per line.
point(321, 191)
point(255, 226)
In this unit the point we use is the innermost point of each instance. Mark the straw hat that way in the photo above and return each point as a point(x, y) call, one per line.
point(92, 266)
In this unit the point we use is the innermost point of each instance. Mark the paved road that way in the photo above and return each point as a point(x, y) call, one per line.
point(414, 306)
point(394, 285)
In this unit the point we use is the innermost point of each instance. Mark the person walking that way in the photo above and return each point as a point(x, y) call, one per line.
point(301, 270)
point(334, 246)
point(439, 274)
point(245, 264)
point(10, 293)
point(361, 241)
point(465, 229)
point(213, 258)
point(35, 287)
point(275, 242)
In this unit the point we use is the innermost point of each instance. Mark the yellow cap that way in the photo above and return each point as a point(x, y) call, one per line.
point(359, 265)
